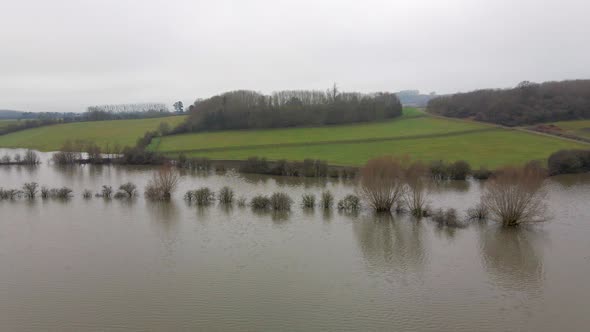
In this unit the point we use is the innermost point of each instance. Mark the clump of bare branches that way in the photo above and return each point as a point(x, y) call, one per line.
point(107, 192)
point(415, 196)
point(516, 195)
point(128, 190)
point(327, 200)
point(226, 196)
point(30, 189)
point(308, 201)
point(478, 212)
point(350, 203)
point(280, 202)
point(87, 194)
point(382, 182)
point(162, 184)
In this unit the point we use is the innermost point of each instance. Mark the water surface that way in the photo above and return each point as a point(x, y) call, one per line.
point(136, 265)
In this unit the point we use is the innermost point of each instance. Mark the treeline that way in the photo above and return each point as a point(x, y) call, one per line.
point(125, 111)
point(527, 103)
point(248, 109)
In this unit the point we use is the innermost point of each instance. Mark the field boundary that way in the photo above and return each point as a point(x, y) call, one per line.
point(347, 141)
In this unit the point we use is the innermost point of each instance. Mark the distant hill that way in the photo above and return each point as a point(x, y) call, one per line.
point(413, 98)
point(10, 114)
point(527, 103)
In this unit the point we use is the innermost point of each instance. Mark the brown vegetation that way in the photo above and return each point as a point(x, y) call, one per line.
point(162, 184)
point(382, 182)
point(516, 195)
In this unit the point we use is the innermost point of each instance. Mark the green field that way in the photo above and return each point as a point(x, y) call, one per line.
point(580, 128)
point(416, 134)
point(51, 138)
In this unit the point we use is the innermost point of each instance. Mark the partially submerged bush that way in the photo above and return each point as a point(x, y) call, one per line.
point(162, 184)
point(9, 193)
point(482, 174)
point(350, 203)
point(327, 200)
point(308, 201)
point(30, 189)
point(226, 195)
point(61, 193)
point(87, 194)
point(516, 195)
point(121, 195)
point(107, 191)
point(415, 196)
point(31, 158)
point(128, 189)
point(459, 170)
point(478, 212)
point(204, 196)
point(260, 202)
point(382, 182)
point(44, 192)
point(280, 202)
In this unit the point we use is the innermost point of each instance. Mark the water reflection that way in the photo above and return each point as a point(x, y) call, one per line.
point(512, 256)
point(391, 243)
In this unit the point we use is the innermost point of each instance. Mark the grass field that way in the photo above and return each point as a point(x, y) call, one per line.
point(580, 128)
point(51, 138)
point(415, 134)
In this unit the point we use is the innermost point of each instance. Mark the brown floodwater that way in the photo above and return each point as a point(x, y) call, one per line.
point(136, 265)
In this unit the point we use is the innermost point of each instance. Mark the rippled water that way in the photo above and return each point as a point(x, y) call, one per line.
point(136, 265)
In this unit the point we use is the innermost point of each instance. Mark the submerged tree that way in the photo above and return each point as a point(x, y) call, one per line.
point(516, 195)
point(382, 182)
point(162, 184)
point(415, 196)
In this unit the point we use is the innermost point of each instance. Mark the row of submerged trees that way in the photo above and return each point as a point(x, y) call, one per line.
point(512, 196)
point(30, 158)
point(246, 109)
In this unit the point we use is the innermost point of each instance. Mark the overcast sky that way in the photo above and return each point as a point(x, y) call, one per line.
point(64, 55)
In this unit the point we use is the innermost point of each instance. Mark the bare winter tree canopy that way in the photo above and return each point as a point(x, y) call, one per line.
point(64, 55)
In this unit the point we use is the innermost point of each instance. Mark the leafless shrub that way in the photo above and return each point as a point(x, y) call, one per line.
point(327, 200)
point(17, 158)
point(382, 182)
point(61, 193)
point(204, 196)
point(30, 189)
point(478, 212)
point(31, 158)
point(260, 202)
point(107, 192)
point(516, 195)
point(226, 196)
point(44, 192)
point(87, 194)
point(280, 202)
point(189, 196)
point(350, 203)
point(128, 189)
point(5, 159)
point(163, 184)
point(9, 193)
point(415, 196)
point(308, 201)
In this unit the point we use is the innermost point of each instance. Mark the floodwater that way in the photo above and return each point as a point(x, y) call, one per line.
point(135, 265)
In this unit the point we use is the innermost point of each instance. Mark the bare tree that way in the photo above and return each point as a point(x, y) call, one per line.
point(415, 196)
point(382, 182)
point(129, 189)
point(163, 183)
point(516, 195)
point(30, 189)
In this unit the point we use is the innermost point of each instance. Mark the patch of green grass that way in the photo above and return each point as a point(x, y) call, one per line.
point(51, 138)
point(488, 148)
point(413, 123)
point(580, 128)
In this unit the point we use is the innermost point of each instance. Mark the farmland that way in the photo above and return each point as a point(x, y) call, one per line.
point(415, 134)
point(51, 138)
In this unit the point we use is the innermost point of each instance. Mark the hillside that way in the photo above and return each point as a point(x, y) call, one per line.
point(415, 134)
point(51, 138)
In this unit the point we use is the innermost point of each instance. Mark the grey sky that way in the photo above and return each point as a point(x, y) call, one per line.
point(64, 55)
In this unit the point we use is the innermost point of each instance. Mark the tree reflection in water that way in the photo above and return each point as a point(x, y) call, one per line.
point(512, 257)
point(391, 243)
